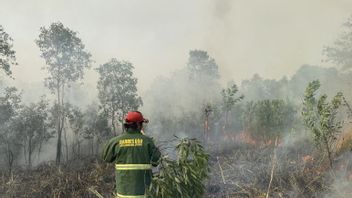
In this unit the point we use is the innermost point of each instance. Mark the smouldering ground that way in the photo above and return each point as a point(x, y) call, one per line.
point(245, 170)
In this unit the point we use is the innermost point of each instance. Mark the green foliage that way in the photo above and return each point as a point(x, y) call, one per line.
point(7, 54)
point(229, 97)
point(96, 123)
point(320, 116)
point(75, 118)
point(183, 177)
point(64, 55)
point(117, 89)
point(10, 140)
point(66, 60)
point(33, 126)
point(267, 119)
point(76, 123)
point(10, 101)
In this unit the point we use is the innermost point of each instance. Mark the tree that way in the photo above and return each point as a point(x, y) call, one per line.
point(268, 119)
point(117, 90)
point(229, 99)
point(207, 109)
point(320, 116)
point(32, 124)
point(76, 124)
point(258, 88)
point(73, 114)
point(96, 126)
point(66, 59)
point(200, 65)
point(10, 141)
point(340, 53)
point(7, 54)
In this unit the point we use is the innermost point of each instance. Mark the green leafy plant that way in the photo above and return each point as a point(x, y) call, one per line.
point(183, 177)
point(7, 54)
point(267, 119)
point(229, 99)
point(117, 90)
point(320, 116)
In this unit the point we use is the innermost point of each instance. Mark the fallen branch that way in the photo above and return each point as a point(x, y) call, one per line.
point(95, 192)
point(222, 175)
point(221, 171)
point(272, 169)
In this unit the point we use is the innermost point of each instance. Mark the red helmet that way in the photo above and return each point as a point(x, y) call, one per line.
point(135, 116)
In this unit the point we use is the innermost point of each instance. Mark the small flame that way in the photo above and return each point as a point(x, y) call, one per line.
point(308, 159)
point(240, 137)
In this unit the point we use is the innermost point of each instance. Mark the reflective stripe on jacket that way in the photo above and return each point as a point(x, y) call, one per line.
point(133, 154)
point(133, 166)
point(129, 196)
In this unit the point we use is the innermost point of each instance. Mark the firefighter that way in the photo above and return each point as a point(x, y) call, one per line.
point(134, 154)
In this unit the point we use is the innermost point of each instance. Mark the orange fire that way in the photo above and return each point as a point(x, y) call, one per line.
point(243, 136)
point(247, 138)
point(307, 159)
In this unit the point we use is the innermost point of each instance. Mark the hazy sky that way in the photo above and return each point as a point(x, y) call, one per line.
point(269, 37)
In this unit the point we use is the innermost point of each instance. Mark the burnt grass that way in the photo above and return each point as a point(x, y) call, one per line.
point(247, 172)
point(237, 170)
point(73, 179)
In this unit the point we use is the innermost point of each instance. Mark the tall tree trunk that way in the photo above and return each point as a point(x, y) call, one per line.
point(61, 119)
point(66, 145)
point(58, 148)
point(63, 114)
point(79, 148)
point(224, 127)
point(25, 151)
point(39, 149)
point(74, 145)
point(92, 146)
point(10, 158)
point(58, 145)
point(30, 152)
point(41, 140)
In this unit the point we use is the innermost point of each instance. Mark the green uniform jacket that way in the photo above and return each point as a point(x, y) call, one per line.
point(133, 154)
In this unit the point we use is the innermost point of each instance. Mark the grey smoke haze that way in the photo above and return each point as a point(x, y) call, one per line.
point(272, 38)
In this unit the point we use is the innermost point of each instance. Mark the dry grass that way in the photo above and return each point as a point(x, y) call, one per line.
point(71, 180)
point(344, 142)
point(247, 171)
point(237, 170)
